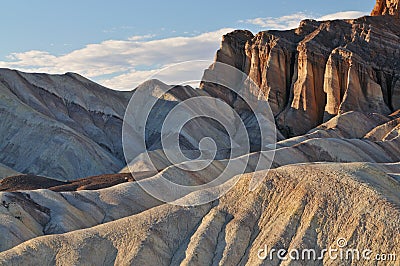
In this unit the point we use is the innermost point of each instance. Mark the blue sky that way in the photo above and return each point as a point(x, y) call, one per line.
point(118, 43)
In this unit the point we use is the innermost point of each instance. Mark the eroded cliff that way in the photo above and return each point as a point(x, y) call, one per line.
point(386, 7)
point(319, 70)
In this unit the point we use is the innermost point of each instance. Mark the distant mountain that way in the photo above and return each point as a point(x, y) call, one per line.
point(61, 126)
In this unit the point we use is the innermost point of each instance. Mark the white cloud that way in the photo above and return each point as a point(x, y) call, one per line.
point(183, 73)
point(293, 20)
point(279, 23)
point(141, 37)
point(127, 62)
point(344, 15)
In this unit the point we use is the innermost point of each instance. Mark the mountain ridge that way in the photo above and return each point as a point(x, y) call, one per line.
point(39, 109)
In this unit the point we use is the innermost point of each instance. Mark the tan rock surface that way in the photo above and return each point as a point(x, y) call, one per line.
point(357, 202)
point(386, 7)
point(318, 70)
point(58, 212)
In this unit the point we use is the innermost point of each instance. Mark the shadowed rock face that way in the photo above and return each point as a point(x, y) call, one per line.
point(318, 70)
point(30, 182)
point(62, 126)
point(386, 7)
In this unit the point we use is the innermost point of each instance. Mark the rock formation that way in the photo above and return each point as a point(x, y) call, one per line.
point(386, 7)
point(318, 70)
point(290, 210)
point(336, 141)
point(65, 121)
point(334, 90)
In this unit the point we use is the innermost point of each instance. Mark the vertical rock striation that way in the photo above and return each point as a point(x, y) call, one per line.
point(386, 7)
point(319, 70)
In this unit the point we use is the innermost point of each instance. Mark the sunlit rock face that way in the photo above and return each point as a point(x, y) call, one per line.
point(320, 69)
point(386, 7)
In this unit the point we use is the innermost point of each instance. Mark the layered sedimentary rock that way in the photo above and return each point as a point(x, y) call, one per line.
point(333, 86)
point(61, 126)
point(290, 211)
point(318, 70)
point(337, 141)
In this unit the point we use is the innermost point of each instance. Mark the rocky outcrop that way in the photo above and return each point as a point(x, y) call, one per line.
point(319, 70)
point(386, 7)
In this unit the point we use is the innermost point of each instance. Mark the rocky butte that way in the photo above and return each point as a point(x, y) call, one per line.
point(321, 69)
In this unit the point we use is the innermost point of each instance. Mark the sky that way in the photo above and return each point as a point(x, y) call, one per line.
point(122, 43)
